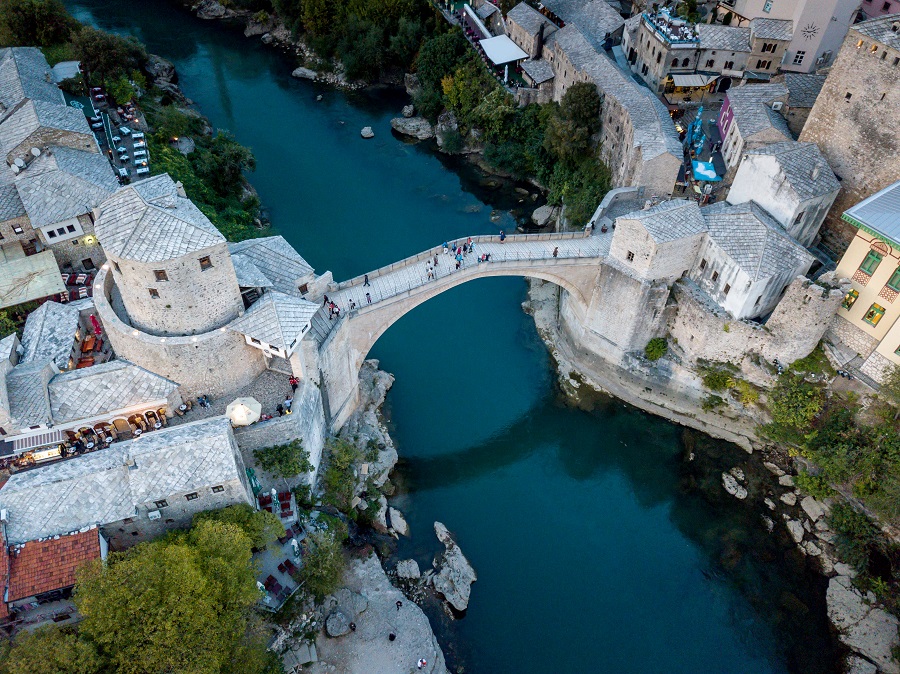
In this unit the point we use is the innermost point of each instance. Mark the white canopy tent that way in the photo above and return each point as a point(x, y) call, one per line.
point(501, 50)
point(692, 80)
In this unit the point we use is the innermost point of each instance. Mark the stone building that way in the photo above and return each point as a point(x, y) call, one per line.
point(37, 124)
point(867, 323)
point(872, 9)
point(133, 491)
point(855, 119)
point(25, 74)
point(177, 299)
point(803, 89)
point(600, 23)
point(817, 27)
point(792, 182)
point(752, 117)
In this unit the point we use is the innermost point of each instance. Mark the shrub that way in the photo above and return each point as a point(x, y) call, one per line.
point(260, 526)
point(855, 535)
point(339, 481)
point(262, 16)
point(746, 392)
point(656, 348)
point(712, 402)
point(815, 485)
point(815, 363)
point(323, 567)
point(715, 378)
point(284, 461)
point(452, 141)
point(794, 402)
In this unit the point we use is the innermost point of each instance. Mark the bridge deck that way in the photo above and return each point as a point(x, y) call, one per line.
point(412, 273)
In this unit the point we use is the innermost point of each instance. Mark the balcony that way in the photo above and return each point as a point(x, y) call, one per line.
point(672, 30)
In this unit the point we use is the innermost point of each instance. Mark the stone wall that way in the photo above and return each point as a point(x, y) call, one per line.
point(9, 235)
point(877, 366)
point(843, 331)
point(82, 253)
point(858, 136)
point(191, 301)
point(215, 363)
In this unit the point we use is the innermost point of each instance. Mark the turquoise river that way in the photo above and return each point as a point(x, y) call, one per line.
point(598, 546)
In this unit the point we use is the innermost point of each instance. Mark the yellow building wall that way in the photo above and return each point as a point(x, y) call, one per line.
point(871, 292)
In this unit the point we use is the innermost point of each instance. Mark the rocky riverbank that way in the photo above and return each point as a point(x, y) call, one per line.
point(869, 632)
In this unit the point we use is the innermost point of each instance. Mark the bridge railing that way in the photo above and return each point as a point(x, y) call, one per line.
point(481, 238)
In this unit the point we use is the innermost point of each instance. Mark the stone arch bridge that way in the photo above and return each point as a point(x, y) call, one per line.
point(340, 346)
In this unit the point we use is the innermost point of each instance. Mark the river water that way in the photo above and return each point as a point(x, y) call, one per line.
point(598, 546)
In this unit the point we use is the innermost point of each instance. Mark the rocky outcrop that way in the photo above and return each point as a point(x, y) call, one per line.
point(447, 124)
point(409, 110)
point(408, 569)
point(454, 575)
point(370, 601)
point(161, 71)
point(869, 631)
point(417, 127)
point(367, 132)
point(543, 215)
point(304, 73)
point(337, 624)
point(732, 483)
point(398, 522)
point(412, 84)
point(210, 9)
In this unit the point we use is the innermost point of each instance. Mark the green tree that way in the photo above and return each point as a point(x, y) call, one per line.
point(318, 16)
point(404, 45)
point(323, 567)
point(7, 325)
point(581, 104)
point(439, 56)
point(171, 123)
point(34, 23)
point(222, 163)
point(52, 650)
point(121, 89)
point(361, 49)
point(890, 388)
point(180, 604)
point(284, 461)
point(105, 57)
point(794, 402)
point(260, 526)
point(339, 480)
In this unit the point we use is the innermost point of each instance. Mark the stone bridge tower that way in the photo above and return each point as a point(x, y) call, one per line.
point(170, 264)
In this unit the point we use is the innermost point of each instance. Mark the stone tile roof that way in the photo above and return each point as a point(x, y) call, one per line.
point(276, 259)
point(539, 70)
point(803, 88)
point(653, 130)
point(486, 10)
point(880, 29)
point(798, 163)
point(726, 38)
point(64, 183)
point(248, 274)
point(7, 346)
point(30, 115)
point(149, 222)
point(26, 386)
point(49, 334)
point(880, 212)
point(50, 564)
point(752, 106)
point(276, 319)
point(528, 18)
point(101, 389)
point(772, 29)
point(108, 485)
point(594, 18)
point(750, 237)
point(24, 73)
point(670, 220)
point(11, 205)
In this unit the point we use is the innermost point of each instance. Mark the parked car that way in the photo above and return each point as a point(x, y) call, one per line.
point(142, 171)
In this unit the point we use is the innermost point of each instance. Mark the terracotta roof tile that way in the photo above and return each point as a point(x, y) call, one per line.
point(4, 575)
point(42, 566)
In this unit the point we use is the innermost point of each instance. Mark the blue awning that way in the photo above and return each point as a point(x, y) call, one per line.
point(704, 170)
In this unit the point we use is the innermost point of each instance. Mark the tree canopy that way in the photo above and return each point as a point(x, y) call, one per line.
point(52, 650)
point(284, 460)
point(34, 23)
point(105, 57)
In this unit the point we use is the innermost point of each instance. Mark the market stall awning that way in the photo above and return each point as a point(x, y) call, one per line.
point(29, 278)
point(692, 80)
point(704, 170)
point(502, 50)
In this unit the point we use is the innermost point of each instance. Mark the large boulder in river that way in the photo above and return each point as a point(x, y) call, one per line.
point(409, 110)
point(543, 215)
point(160, 69)
point(867, 630)
point(210, 9)
point(454, 575)
point(417, 127)
point(367, 132)
point(304, 73)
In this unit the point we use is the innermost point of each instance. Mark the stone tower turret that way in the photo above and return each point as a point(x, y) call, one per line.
point(170, 264)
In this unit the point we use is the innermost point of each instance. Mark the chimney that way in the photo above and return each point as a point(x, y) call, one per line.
point(179, 189)
point(538, 42)
point(815, 172)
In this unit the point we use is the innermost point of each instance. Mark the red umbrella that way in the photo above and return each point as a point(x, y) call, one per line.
point(98, 329)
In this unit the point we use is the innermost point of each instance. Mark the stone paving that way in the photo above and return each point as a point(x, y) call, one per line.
point(413, 272)
point(270, 388)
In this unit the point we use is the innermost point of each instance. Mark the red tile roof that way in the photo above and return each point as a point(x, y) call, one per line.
point(42, 566)
point(4, 574)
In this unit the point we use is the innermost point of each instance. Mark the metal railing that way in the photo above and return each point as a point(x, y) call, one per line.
point(481, 238)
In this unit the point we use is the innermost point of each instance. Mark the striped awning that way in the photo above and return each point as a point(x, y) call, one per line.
point(45, 439)
point(692, 80)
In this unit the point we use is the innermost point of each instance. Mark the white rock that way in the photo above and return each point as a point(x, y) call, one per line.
point(542, 215)
point(770, 504)
point(455, 575)
point(788, 498)
point(408, 568)
point(417, 127)
point(738, 474)
point(871, 632)
point(367, 132)
point(826, 564)
point(813, 508)
point(337, 624)
point(786, 481)
point(795, 528)
point(304, 73)
point(398, 523)
point(775, 470)
point(732, 487)
point(811, 549)
point(856, 665)
point(843, 569)
point(409, 110)
point(351, 603)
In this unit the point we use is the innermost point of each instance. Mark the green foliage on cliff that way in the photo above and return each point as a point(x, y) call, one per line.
point(339, 480)
point(656, 348)
point(284, 461)
point(323, 567)
point(34, 23)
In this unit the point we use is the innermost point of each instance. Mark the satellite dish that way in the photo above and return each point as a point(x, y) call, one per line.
point(35, 152)
point(20, 163)
point(15, 169)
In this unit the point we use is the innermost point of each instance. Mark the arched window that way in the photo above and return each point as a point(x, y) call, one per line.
point(674, 63)
point(659, 57)
point(684, 63)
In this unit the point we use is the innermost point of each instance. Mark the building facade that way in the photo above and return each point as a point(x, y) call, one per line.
point(855, 120)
